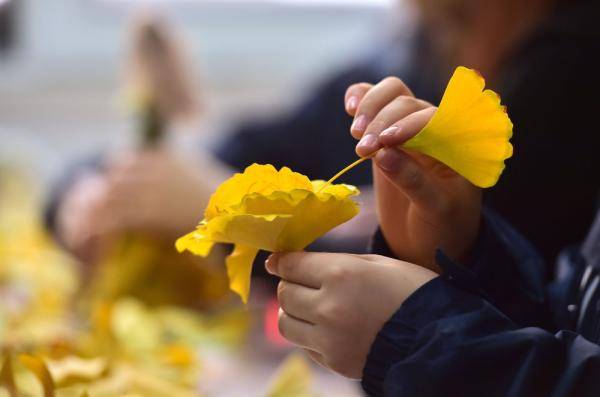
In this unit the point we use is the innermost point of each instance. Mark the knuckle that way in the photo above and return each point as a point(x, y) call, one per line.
point(359, 86)
point(332, 313)
point(405, 101)
point(281, 293)
point(337, 273)
point(367, 106)
point(357, 89)
point(395, 83)
point(285, 264)
point(392, 80)
point(282, 324)
point(377, 125)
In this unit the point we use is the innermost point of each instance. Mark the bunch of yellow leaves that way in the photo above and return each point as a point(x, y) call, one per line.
point(263, 208)
point(77, 377)
point(37, 280)
point(130, 349)
point(114, 347)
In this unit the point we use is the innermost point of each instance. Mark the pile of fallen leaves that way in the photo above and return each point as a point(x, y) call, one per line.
point(53, 345)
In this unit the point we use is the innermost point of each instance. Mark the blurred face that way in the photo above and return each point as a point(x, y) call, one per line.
point(474, 32)
point(444, 10)
point(447, 22)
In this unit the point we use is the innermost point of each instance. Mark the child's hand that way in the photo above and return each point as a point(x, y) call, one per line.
point(333, 305)
point(422, 204)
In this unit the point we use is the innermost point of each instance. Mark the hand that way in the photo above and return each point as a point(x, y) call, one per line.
point(79, 215)
point(422, 204)
point(154, 191)
point(333, 305)
point(151, 191)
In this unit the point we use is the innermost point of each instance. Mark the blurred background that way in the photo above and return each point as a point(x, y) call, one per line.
point(64, 97)
point(61, 64)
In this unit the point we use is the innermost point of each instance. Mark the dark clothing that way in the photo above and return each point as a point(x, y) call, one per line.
point(550, 85)
point(315, 139)
point(492, 328)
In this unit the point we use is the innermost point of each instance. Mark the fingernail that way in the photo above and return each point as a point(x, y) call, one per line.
point(270, 264)
point(390, 131)
point(388, 159)
point(352, 103)
point(367, 142)
point(359, 124)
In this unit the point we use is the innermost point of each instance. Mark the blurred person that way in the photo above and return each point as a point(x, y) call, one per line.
point(160, 191)
point(136, 260)
point(516, 44)
point(539, 54)
point(473, 33)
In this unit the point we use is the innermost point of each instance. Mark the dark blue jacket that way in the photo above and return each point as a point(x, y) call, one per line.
point(492, 328)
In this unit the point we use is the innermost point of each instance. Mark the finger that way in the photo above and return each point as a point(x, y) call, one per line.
point(297, 300)
point(409, 177)
point(407, 127)
point(296, 331)
point(385, 120)
point(354, 95)
point(303, 268)
point(374, 100)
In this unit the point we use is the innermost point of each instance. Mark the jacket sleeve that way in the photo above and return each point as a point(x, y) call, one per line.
point(61, 188)
point(502, 267)
point(312, 139)
point(444, 341)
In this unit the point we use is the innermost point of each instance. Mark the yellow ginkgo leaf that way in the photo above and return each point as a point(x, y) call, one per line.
point(263, 208)
point(293, 378)
point(72, 369)
point(41, 372)
point(7, 377)
point(469, 132)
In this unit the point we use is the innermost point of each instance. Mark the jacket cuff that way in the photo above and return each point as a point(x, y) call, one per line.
point(433, 301)
point(500, 257)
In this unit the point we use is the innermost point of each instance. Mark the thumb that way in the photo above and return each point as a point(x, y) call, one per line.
point(408, 176)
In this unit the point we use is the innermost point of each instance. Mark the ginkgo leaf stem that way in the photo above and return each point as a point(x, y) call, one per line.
point(343, 171)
